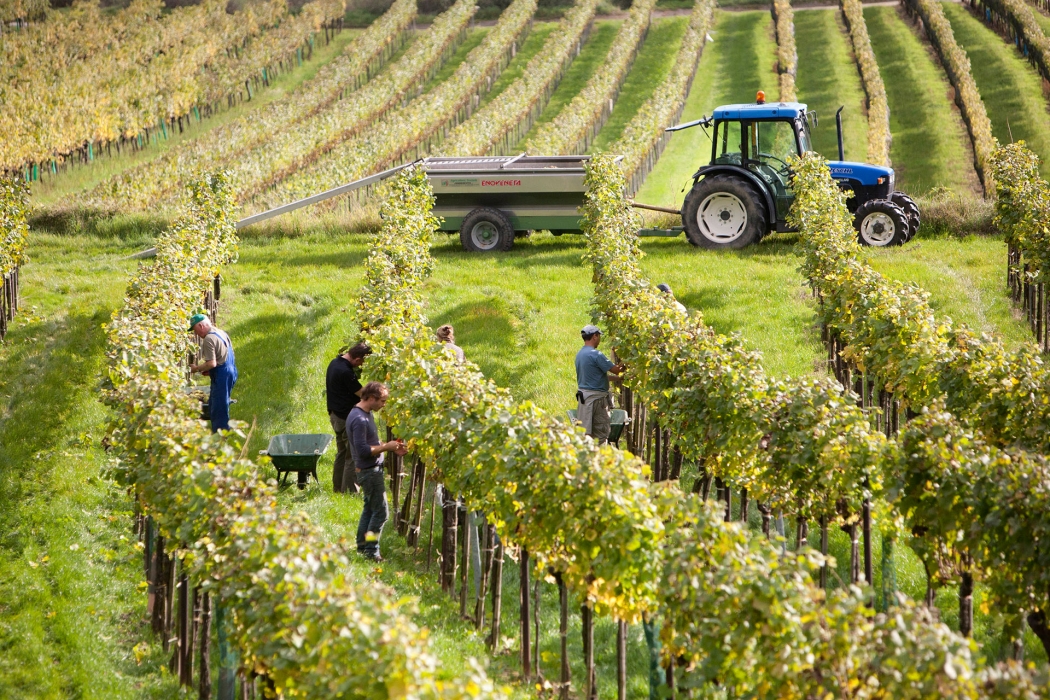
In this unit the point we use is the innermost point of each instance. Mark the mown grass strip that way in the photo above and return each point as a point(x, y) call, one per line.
point(930, 145)
point(1011, 89)
point(650, 68)
point(70, 603)
point(827, 78)
point(735, 65)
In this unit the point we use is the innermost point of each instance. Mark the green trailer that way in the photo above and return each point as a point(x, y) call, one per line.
point(490, 200)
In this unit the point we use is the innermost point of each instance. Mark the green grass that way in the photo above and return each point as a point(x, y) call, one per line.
point(474, 37)
point(930, 143)
point(1011, 89)
point(516, 68)
point(651, 66)
point(81, 177)
point(734, 66)
point(72, 604)
point(827, 79)
point(579, 71)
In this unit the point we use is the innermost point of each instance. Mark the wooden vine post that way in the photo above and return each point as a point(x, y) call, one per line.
point(497, 593)
point(523, 605)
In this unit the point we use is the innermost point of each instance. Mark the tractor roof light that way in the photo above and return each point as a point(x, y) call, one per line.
point(760, 97)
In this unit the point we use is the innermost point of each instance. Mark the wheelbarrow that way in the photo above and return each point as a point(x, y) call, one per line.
point(617, 419)
point(297, 453)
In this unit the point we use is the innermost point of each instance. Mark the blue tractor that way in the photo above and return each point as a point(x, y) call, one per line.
point(744, 193)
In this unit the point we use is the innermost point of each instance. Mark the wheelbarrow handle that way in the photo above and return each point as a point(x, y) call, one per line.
point(264, 452)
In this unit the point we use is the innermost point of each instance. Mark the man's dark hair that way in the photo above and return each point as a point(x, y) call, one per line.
point(358, 351)
point(588, 336)
point(373, 390)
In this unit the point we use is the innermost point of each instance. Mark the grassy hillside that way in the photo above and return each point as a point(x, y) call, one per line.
point(736, 64)
point(828, 79)
point(1011, 89)
point(930, 144)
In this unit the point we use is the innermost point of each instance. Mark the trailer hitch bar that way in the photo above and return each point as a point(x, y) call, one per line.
point(653, 207)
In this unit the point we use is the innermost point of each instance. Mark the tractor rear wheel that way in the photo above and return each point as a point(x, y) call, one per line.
point(485, 230)
point(911, 210)
point(880, 223)
point(724, 212)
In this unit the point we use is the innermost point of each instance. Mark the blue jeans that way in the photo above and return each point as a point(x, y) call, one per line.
point(374, 512)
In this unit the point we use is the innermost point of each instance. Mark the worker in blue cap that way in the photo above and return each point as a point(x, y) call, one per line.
point(218, 362)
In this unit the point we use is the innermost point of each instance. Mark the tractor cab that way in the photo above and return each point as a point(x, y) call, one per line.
point(744, 192)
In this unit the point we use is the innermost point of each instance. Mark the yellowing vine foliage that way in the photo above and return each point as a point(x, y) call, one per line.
point(295, 615)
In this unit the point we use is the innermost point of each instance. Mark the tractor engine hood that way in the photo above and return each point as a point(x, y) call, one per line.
point(864, 174)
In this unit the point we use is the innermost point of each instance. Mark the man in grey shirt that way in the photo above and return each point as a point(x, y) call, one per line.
point(368, 459)
point(592, 381)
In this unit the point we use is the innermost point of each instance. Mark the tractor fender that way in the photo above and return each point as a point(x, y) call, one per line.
point(738, 171)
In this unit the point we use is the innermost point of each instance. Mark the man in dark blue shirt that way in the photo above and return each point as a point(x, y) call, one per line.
point(342, 392)
point(592, 382)
point(368, 455)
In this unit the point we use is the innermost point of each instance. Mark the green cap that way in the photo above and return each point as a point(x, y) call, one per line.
point(195, 319)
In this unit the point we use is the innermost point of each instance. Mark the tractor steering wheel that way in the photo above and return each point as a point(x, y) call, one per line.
point(782, 171)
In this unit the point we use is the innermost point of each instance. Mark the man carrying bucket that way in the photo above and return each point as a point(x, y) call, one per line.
point(218, 362)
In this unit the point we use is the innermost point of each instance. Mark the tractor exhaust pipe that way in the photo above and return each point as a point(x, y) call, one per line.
point(838, 127)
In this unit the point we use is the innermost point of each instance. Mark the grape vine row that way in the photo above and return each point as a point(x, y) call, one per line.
point(879, 137)
point(117, 79)
point(286, 151)
point(164, 178)
point(787, 54)
point(644, 138)
point(579, 122)
point(14, 234)
point(730, 603)
point(501, 123)
point(295, 616)
point(412, 130)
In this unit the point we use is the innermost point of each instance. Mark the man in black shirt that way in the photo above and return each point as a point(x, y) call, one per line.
point(343, 389)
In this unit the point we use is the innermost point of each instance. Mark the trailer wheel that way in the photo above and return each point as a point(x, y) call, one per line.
point(880, 223)
point(723, 212)
point(911, 210)
point(486, 229)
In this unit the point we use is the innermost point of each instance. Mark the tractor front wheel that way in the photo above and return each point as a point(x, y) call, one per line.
point(723, 212)
point(880, 223)
point(911, 210)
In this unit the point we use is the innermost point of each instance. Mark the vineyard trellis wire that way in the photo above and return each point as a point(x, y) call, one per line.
point(143, 186)
point(14, 233)
point(281, 590)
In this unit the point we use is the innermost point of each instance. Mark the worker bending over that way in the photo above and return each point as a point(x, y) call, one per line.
point(218, 362)
point(592, 381)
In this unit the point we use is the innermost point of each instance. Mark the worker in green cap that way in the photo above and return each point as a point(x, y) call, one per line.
point(218, 362)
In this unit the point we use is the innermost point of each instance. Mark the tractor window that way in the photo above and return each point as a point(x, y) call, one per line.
point(728, 142)
point(803, 137)
point(773, 143)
